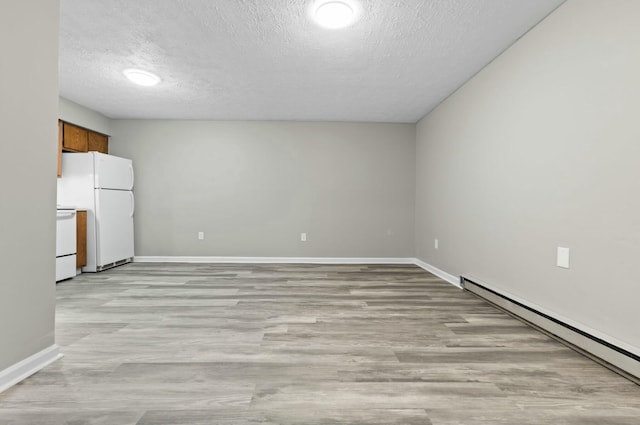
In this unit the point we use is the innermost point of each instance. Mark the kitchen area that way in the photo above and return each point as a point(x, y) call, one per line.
point(95, 204)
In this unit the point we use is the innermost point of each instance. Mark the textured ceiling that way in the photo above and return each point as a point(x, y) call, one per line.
point(267, 60)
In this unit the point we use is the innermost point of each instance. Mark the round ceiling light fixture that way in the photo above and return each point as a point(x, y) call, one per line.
point(335, 15)
point(140, 77)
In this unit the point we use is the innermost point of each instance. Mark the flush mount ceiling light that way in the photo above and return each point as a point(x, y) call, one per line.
point(140, 77)
point(334, 15)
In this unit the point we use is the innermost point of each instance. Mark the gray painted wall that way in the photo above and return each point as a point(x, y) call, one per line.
point(88, 118)
point(541, 149)
point(253, 187)
point(29, 110)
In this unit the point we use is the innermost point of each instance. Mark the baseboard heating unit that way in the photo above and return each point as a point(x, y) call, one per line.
point(609, 355)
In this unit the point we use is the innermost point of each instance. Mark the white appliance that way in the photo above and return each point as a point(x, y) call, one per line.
point(103, 185)
point(65, 243)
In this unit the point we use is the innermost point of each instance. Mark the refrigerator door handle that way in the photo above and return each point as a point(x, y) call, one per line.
point(133, 204)
point(132, 175)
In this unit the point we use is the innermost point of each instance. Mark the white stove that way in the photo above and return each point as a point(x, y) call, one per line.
point(65, 243)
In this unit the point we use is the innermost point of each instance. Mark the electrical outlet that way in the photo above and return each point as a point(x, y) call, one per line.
point(435, 243)
point(303, 237)
point(201, 236)
point(563, 257)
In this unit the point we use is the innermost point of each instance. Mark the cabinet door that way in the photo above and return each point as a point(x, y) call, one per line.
point(74, 138)
point(81, 241)
point(98, 142)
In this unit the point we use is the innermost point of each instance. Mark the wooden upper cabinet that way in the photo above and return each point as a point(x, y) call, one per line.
point(74, 138)
point(98, 142)
point(78, 139)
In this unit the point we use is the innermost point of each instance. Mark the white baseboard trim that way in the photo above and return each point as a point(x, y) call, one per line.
point(300, 260)
point(27, 367)
point(273, 260)
point(455, 281)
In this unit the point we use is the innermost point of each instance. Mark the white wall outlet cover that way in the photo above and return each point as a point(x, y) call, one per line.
point(201, 235)
point(563, 257)
point(303, 237)
point(436, 243)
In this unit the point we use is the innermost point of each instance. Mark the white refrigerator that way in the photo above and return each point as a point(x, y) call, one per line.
point(103, 185)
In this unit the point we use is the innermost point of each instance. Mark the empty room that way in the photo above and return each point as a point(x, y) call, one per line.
point(320, 212)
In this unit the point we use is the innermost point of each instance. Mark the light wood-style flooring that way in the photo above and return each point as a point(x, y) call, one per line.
point(239, 344)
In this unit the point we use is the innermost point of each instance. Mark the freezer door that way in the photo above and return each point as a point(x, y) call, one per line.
point(114, 226)
point(112, 172)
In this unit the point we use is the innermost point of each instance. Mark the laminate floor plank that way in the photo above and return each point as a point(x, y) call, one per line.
point(292, 344)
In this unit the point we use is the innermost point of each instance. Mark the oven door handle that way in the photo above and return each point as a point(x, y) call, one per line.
point(63, 214)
